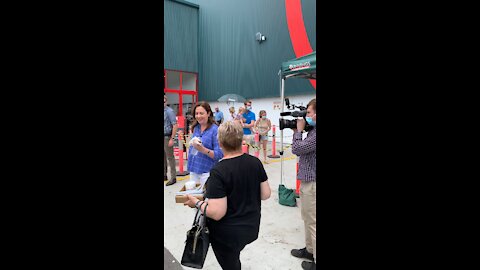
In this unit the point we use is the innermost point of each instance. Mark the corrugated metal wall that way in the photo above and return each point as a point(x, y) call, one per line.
point(232, 61)
point(180, 36)
point(309, 11)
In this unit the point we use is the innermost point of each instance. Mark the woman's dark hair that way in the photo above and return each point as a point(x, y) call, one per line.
point(207, 108)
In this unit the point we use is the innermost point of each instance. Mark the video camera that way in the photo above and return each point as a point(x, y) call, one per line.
point(286, 123)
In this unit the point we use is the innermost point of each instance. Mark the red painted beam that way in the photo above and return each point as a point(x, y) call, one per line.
point(298, 33)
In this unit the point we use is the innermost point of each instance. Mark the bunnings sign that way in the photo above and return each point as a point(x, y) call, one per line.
point(299, 66)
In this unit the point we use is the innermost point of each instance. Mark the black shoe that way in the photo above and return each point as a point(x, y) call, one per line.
point(165, 178)
point(171, 182)
point(302, 253)
point(309, 265)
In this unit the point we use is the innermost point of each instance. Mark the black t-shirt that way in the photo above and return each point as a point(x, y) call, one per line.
point(239, 180)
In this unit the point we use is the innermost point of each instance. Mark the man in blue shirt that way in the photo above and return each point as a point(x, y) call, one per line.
point(218, 115)
point(248, 135)
point(169, 131)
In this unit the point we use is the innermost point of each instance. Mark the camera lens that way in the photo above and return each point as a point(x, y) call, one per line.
point(285, 123)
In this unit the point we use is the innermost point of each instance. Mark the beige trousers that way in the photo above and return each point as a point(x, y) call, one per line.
point(308, 199)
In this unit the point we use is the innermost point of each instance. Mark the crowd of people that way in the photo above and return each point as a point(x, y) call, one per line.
point(236, 182)
point(246, 118)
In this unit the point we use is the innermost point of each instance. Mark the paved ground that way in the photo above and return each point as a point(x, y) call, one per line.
point(281, 227)
point(169, 262)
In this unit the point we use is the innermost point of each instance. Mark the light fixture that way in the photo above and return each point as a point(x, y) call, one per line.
point(259, 37)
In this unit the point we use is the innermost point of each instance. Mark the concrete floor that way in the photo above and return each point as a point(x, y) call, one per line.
point(170, 262)
point(281, 227)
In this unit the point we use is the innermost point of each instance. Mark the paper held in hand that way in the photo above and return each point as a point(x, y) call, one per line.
point(181, 196)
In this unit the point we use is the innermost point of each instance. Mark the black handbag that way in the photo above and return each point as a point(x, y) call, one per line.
point(197, 243)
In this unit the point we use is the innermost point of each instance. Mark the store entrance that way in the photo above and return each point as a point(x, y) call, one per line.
point(181, 91)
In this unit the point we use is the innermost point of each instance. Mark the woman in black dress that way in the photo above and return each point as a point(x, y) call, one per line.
point(235, 189)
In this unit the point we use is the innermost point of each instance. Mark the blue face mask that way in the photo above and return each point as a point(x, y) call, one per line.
point(310, 121)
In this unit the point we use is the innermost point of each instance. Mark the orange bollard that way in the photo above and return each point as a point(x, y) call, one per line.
point(257, 139)
point(273, 155)
point(244, 147)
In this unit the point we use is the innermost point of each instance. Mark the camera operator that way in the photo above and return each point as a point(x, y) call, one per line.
point(306, 150)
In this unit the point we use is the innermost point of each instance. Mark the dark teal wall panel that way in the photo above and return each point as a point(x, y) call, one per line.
point(232, 61)
point(309, 17)
point(180, 36)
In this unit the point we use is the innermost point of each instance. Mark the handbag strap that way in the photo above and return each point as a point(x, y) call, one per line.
point(195, 219)
point(205, 215)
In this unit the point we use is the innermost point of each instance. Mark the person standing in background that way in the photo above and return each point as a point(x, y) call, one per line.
point(249, 124)
point(239, 115)
point(263, 126)
point(218, 116)
point(232, 116)
point(188, 121)
point(169, 130)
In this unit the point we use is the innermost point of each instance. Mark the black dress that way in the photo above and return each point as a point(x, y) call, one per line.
point(239, 180)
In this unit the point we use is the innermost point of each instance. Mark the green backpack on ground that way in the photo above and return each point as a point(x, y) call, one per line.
point(286, 196)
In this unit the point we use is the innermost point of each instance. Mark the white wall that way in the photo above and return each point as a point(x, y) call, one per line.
point(267, 104)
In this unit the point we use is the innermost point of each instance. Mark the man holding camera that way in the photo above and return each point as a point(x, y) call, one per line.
point(306, 150)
